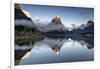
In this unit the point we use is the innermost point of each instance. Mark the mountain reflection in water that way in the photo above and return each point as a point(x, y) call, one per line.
point(53, 50)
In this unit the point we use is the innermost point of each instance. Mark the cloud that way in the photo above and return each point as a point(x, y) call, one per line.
point(24, 22)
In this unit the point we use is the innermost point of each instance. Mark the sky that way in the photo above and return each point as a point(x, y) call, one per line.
point(68, 15)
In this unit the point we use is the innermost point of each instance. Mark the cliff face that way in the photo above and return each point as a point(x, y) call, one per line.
point(19, 14)
point(22, 17)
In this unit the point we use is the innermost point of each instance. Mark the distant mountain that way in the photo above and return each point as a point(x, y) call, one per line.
point(85, 29)
point(89, 27)
point(54, 26)
point(57, 27)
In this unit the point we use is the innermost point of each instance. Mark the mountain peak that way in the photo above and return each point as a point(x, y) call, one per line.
point(90, 21)
point(17, 6)
point(57, 20)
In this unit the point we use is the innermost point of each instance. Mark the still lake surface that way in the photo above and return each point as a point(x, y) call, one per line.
point(53, 50)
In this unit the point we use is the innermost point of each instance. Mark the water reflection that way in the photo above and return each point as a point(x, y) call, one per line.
point(53, 50)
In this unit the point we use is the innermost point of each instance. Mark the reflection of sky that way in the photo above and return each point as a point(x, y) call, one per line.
point(69, 15)
point(70, 51)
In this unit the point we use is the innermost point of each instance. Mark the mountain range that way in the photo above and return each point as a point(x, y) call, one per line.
point(56, 26)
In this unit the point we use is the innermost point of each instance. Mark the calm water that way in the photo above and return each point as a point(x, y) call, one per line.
point(53, 50)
